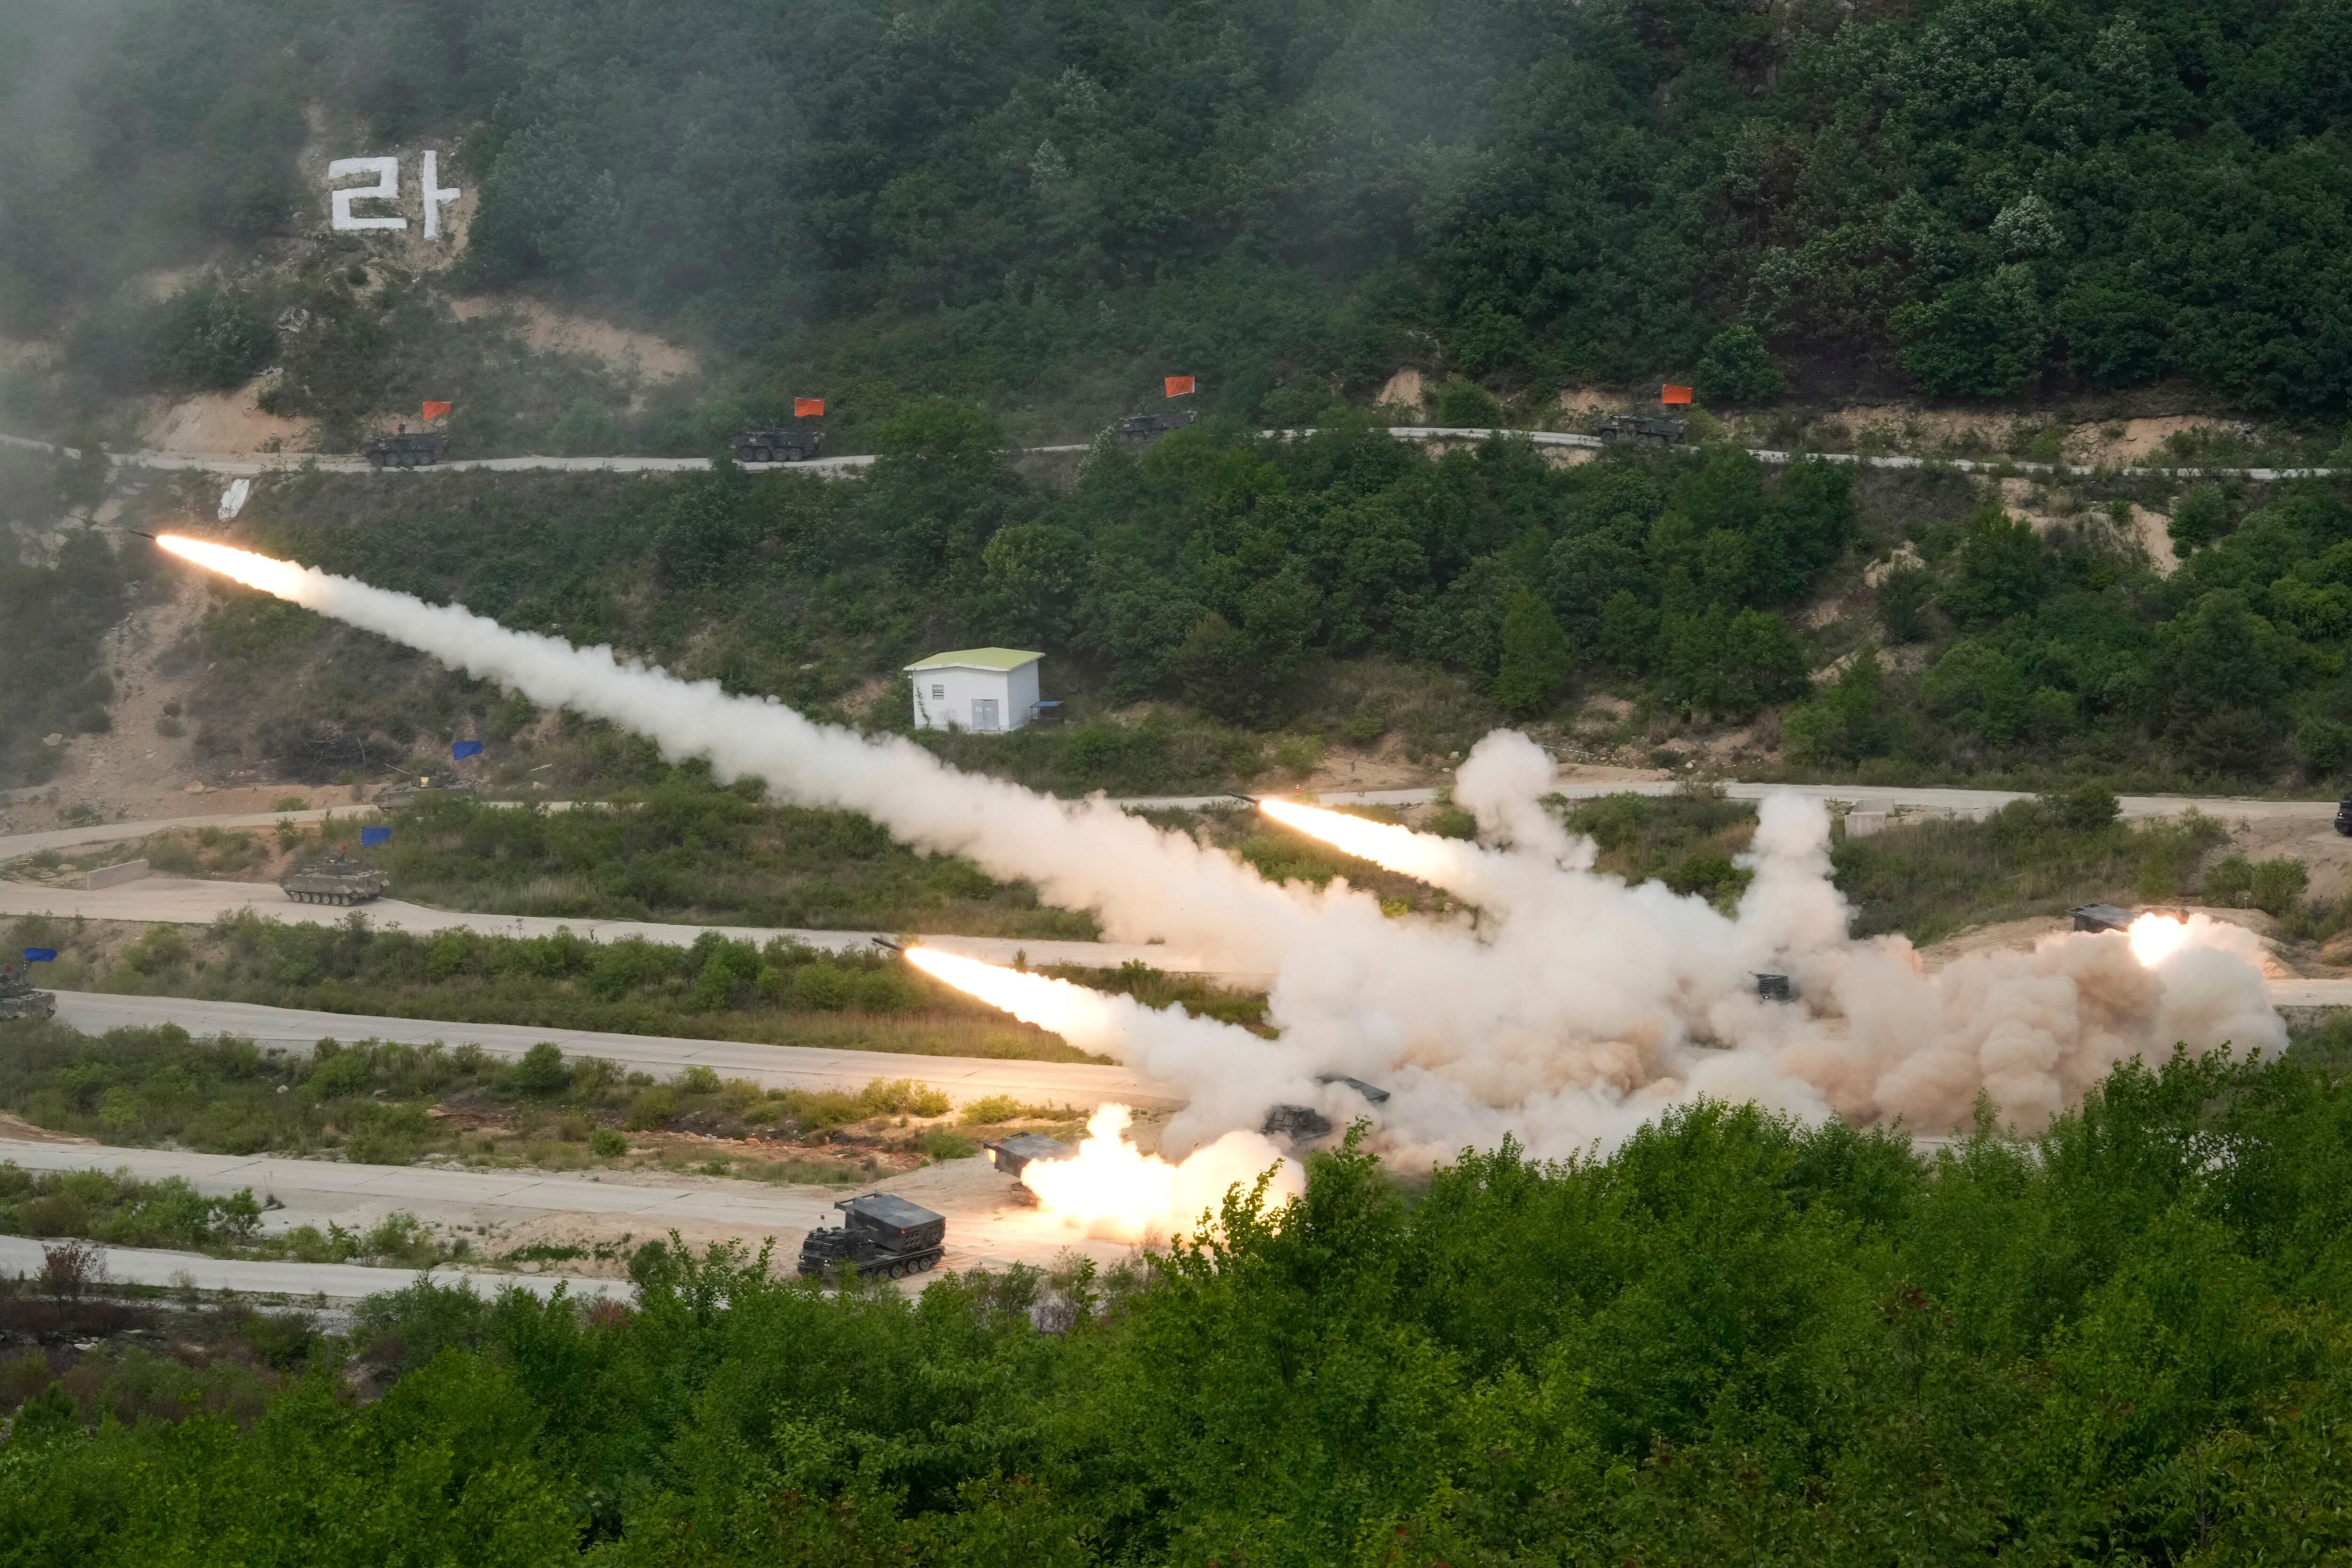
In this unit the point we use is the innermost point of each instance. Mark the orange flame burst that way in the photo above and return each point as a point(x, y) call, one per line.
point(2155, 938)
point(1081, 1016)
point(1423, 855)
point(282, 578)
point(1113, 1190)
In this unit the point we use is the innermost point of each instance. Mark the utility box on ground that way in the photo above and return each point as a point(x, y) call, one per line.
point(989, 689)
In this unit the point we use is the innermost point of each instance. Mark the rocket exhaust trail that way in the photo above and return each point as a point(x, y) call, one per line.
point(1582, 1008)
point(1081, 855)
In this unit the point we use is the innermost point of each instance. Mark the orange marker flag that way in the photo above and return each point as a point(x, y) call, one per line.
point(1674, 394)
point(807, 407)
point(1178, 385)
point(436, 410)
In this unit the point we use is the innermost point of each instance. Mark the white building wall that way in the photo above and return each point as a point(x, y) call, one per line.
point(1024, 695)
point(944, 697)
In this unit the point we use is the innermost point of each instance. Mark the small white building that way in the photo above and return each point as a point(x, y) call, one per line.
point(984, 688)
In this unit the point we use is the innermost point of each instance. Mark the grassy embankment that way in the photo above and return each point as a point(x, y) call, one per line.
point(375, 1103)
point(121, 1210)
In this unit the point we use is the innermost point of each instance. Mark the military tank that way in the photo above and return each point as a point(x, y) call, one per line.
point(879, 1232)
point(777, 444)
point(18, 997)
point(337, 880)
point(1642, 429)
point(1145, 428)
point(421, 449)
point(435, 786)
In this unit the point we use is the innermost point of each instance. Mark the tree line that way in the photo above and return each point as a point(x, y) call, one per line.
point(1734, 1338)
point(1037, 204)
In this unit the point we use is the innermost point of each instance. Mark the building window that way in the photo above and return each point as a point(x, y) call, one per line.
point(939, 693)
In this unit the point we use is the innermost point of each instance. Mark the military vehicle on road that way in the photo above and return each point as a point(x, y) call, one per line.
point(404, 450)
point(1145, 428)
point(880, 1234)
point(18, 997)
point(337, 880)
point(436, 786)
point(1642, 429)
point(778, 443)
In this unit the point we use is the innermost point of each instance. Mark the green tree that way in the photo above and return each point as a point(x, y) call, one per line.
point(2200, 517)
point(1737, 368)
point(1462, 404)
point(1536, 656)
point(2003, 568)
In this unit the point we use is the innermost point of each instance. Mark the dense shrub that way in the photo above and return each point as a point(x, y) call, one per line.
point(2121, 1339)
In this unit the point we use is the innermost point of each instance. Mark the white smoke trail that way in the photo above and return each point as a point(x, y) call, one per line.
point(1612, 1002)
point(1576, 1008)
point(1082, 855)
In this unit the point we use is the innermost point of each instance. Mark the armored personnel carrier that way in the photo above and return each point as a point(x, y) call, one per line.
point(1642, 429)
point(404, 450)
point(1145, 428)
point(337, 880)
point(437, 786)
point(778, 443)
point(18, 997)
point(879, 1234)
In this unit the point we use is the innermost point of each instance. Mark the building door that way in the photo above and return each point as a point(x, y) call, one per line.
point(985, 714)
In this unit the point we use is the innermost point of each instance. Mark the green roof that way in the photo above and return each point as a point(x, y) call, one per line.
point(978, 659)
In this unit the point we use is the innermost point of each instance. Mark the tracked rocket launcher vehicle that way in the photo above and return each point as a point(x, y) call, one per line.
point(18, 997)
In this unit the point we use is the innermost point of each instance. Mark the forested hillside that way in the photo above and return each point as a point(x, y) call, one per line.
point(1046, 204)
point(1281, 596)
point(1733, 1341)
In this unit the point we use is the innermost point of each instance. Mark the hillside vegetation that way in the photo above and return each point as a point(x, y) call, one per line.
point(1044, 205)
point(1735, 1338)
point(1344, 591)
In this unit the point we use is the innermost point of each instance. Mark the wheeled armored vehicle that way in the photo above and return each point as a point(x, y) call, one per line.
point(878, 1233)
point(18, 997)
point(778, 443)
point(1642, 429)
point(337, 880)
point(1146, 428)
point(420, 449)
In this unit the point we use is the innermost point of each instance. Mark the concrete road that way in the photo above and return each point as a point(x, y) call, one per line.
point(17, 844)
point(988, 1226)
point(1082, 1085)
point(21, 1256)
point(1974, 803)
point(249, 464)
point(190, 901)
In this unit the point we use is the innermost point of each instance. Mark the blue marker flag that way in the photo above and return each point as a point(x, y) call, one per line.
point(466, 749)
point(40, 955)
point(374, 835)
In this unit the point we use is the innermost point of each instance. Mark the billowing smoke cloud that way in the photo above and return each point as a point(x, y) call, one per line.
point(1571, 1008)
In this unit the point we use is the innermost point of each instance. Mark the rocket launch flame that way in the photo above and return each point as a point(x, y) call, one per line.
point(1442, 862)
point(2155, 938)
point(1113, 1190)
